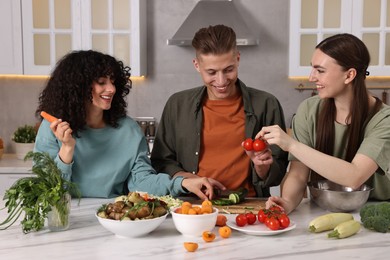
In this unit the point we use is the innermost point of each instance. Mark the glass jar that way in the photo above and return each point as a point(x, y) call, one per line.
point(59, 221)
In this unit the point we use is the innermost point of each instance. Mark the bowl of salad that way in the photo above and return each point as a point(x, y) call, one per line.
point(132, 215)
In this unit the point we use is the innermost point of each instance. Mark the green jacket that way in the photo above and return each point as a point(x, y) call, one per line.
point(177, 143)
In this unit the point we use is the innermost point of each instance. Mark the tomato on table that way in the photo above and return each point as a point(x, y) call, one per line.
point(241, 220)
point(251, 218)
point(284, 220)
point(262, 216)
point(273, 223)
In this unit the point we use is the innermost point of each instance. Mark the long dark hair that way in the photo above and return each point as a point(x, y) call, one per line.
point(349, 52)
point(70, 88)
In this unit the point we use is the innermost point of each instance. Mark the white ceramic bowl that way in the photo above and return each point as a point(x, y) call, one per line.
point(194, 225)
point(131, 228)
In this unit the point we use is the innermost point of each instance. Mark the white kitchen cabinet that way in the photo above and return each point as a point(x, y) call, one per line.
point(11, 38)
point(52, 28)
point(313, 20)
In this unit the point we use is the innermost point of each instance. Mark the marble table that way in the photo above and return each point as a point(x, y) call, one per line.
point(87, 239)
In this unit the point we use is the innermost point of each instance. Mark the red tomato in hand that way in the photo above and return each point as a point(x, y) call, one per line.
point(248, 144)
point(241, 220)
point(259, 145)
point(273, 223)
point(276, 208)
point(284, 221)
point(251, 218)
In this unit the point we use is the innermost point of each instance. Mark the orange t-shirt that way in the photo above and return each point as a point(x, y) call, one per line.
point(222, 156)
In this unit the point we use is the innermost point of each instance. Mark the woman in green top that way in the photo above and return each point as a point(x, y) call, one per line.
point(343, 134)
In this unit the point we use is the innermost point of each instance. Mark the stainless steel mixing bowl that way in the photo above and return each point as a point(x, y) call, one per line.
point(337, 198)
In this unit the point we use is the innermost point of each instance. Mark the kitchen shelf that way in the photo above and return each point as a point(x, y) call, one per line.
point(302, 87)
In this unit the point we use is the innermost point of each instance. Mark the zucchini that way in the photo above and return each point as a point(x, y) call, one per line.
point(328, 221)
point(345, 229)
point(222, 202)
point(242, 192)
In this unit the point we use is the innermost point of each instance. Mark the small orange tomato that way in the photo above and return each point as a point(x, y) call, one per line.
point(208, 236)
point(186, 203)
point(192, 211)
point(221, 220)
point(191, 246)
point(185, 209)
point(206, 209)
point(197, 209)
point(207, 203)
point(225, 231)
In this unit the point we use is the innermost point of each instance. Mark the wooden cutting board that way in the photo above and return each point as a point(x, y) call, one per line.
point(249, 204)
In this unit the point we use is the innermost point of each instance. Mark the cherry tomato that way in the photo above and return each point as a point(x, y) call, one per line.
point(251, 218)
point(241, 220)
point(276, 211)
point(284, 220)
point(259, 145)
point(267, 219)
point(248, 144)
point(261, 216)
point(273, 223)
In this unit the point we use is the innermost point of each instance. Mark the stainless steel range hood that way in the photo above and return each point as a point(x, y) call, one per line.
point(213, 12)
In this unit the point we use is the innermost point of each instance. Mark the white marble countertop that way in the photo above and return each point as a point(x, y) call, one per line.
point(10, 164)
point(87, 239)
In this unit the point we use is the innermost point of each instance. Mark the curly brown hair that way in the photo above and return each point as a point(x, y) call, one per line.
point(69, 88)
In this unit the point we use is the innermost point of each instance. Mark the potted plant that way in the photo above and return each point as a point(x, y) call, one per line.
point(24, 138)
point(44, 195)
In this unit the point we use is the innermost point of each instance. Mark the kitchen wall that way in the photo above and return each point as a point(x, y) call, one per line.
point(170, 68)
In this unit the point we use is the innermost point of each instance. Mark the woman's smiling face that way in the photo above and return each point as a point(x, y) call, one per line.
point(330, 78)
point(103, 91)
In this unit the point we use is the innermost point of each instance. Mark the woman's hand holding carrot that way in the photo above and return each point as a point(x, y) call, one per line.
point(63, 133)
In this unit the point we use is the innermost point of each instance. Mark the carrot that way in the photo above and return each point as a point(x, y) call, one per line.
point(48, 117)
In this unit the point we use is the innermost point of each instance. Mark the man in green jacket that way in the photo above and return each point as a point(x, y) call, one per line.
point(202, 129)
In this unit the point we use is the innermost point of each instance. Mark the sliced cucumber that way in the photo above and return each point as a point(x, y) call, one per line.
point(237, 197)
point(234, 198)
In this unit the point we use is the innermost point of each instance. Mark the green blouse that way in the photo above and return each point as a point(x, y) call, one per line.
point(376, 142)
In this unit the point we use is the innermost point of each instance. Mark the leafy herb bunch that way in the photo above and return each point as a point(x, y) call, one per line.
point(36, 195)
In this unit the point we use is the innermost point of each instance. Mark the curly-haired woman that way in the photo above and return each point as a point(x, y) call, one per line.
point(94, 142)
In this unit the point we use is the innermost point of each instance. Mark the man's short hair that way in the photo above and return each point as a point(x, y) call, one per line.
point(218, 39)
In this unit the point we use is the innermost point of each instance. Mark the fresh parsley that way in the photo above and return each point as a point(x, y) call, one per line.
point(36, 195)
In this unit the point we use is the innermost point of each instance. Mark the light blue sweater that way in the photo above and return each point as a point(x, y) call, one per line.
point(108, 162)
